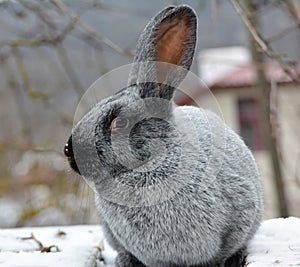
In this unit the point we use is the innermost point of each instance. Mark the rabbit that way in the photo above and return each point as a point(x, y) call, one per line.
point(175, 186)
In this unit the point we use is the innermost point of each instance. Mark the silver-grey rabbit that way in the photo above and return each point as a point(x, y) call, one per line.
point(175, 185)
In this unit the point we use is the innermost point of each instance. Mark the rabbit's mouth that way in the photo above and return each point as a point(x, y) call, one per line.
point(68, 151)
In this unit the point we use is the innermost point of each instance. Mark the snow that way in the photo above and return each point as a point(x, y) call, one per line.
point(277, 243)
point(108, 255)
point(78, 247)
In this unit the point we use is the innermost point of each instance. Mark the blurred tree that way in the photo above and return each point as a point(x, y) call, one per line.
point(261, 47)
point(37, 45)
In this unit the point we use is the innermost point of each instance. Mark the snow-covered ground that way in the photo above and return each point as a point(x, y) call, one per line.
point(78, 246)
point(277, 243)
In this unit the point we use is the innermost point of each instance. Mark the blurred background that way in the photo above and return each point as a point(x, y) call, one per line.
point(51, 51)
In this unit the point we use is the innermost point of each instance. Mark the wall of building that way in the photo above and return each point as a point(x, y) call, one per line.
point(289, 134)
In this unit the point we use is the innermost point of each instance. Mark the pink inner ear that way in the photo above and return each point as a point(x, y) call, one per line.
point(171, 39)
point(170, 44)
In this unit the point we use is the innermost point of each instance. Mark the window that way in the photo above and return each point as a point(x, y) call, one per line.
point(250, 124)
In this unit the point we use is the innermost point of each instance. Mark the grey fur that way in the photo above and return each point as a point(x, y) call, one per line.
point(179, 187)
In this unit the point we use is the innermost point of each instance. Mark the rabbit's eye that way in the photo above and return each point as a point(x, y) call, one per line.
point(119, 123)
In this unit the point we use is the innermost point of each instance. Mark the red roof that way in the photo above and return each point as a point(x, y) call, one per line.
point(243, 76)
point(246, 76)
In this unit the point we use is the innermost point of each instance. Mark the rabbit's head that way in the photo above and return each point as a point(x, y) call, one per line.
point(129, 141)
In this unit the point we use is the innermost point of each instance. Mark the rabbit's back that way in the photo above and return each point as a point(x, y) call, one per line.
point(231, 176)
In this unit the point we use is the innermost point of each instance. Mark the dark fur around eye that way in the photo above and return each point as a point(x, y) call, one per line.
point(107, 120)
point(103, 132)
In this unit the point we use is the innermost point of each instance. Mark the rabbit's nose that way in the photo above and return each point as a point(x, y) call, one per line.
point(68, 151)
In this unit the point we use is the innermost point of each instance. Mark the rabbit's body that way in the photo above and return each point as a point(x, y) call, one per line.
point(175, 185)
point(206, 221)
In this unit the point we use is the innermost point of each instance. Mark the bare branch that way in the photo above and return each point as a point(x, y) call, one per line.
point(43, 40)
point(32, 237)
point(39, 12)
point(89, 30)
point(263, 9)
point(293, 11)
point(282, 33)
point(39, 243)
point(245, 17)
point(287, 65)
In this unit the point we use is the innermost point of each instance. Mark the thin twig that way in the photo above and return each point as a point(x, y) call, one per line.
point(32, 237)
point(39, 243)
point(62, 53)
point(42, 40)
point(88, 35)
point(282, 33)
point(39, 12)
point(89, 30)
point(293, 11)
point(263, 9)
point(245, 17)
point(263, 45)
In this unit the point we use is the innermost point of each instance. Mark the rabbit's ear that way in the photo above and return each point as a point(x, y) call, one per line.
point(169, 37)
